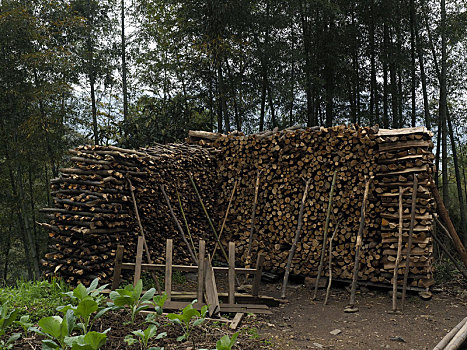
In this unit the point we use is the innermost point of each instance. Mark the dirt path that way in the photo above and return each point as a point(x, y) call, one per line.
point(303, 324)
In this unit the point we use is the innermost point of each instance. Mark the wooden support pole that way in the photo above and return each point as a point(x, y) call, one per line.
point(201, 270)
point(450, 230)
point(325, 236)
point(179, 227)
point(358, 245)
point(148, 255)
point(296, 239)
point(330, 265)
point(258, 274)
point(231, 273)
point(399, 250)
point(208, 218)
point(168, 269)
point(253, 215)
point(139, 260)
point(117, 267)
point(225, 217)
point(185, 221)
point(409, 243)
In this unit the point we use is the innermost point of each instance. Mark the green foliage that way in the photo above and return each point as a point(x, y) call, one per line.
point(226, 343)
point(24, 323)
point(56, 330)
point(143, 337)
point(88, 300)
point(35, 298)
point(130, 297)
point(88, 341)
point(158, 302)
point(7, 318)
point(188, 318)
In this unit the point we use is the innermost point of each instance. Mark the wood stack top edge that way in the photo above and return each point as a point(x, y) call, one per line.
point(404, 131)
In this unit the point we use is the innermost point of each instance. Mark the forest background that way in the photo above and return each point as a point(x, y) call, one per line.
point(134, 72)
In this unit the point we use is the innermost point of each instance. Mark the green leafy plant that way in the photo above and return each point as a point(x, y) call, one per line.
point(25, 323)
point(89, 300)
point(56, 329)
point(158, 302)
point(226, 343)
point(188, 318)
point(7, 317)
point(89, 341)
point(143, 337)
point(131, 296)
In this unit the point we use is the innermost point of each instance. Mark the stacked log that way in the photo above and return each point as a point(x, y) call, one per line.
point(93, 208)
point(285, 160)
point(402, 154)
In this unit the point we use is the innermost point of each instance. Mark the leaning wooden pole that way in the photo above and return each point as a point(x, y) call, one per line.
point(225, 217)
point(296, 239)
point(399, 250)
point(179, 227)
point(461, 269)
point(325, 235)
point(330, 264)
point(448, 337)
point(185, 222)
point(358, 246)
point(253, 215)
point(409, 243)
point(443, 213)
point(146, 249)
point(458, 339)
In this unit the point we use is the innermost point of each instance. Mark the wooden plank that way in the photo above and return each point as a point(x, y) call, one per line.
point(117, 267)
point(139, 259)
point(404, 131)
point(231, 278)
point(168, 269)
point(420, 169)
point(184, 268)
point(236, 320)
point(258, 274)
point(384, 147)
point(245, 308)
point(211, 289)
point(201, 259)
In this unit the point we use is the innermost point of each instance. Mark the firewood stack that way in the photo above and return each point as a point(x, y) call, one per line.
point(401, 154)
point(94, 210)
point(284, 160)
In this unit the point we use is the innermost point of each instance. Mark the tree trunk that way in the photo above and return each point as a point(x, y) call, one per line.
point(443, 103)
point(306, 37)
point(6, 255)
point(374, 117)
point(385, 78)
point(421, 62)
point(124, 82)
point(412, 56)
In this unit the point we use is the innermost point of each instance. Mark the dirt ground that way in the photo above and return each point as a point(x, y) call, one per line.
point(302, 323)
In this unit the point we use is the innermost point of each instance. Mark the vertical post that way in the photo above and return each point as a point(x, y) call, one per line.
point(117, 267)
point(201, 258)
point(409, 244)
point(258, 274)
point(139, 260)
point(231, 273)
point(168, 269)
point(399, 249)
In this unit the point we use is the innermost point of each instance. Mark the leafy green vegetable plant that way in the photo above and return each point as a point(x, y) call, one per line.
point(158, 302)
point(143, 337)
point(25, 323)
point(56, 329)
point(89, 300)
point(89, 341)
point(226, 343)
point(131, 296)
point(7, 317)
point(189, 318)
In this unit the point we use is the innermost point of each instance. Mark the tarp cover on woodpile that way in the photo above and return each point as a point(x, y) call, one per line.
point(93, 209)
